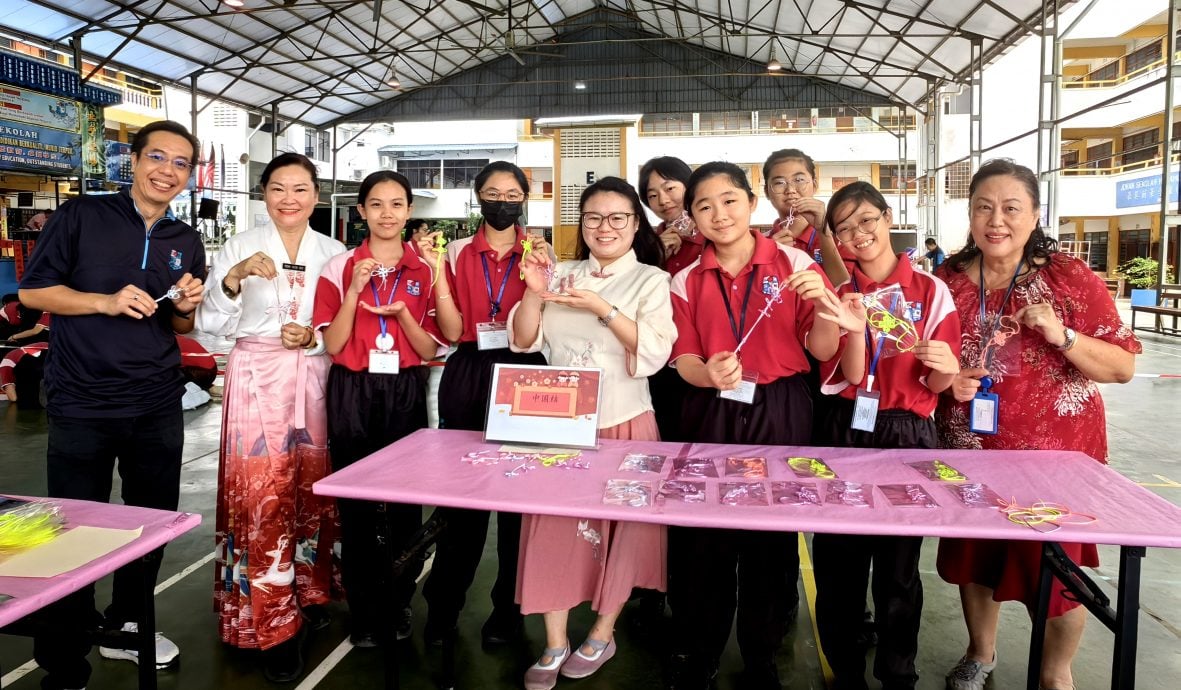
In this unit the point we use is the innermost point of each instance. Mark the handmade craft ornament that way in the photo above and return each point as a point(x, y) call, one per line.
point(795, 494)
point(809, 468)
point(681, 490)
point(382, 271)
point(592, 536)
point(626, 492)
point(526, 250)
point(908, 496)
point(852, 494)
point(440, 251)
point(173, 293)
point(976, 495)
point(775, 297)
point(886, 314)
point(750, 468)
point(742, 494)
point(1044, 516)
point(694, 468)
point(937, 470)
point(639, 462)
point(684, 225)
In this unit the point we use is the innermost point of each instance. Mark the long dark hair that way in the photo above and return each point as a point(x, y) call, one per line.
point(645, 244)
point(500, 166)
point(375, 178)
point(1039, 247)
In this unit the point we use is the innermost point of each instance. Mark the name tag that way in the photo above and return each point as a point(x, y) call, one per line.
point(383, 362)
point(983, 413)
point(294, 267)
point(865, 410)
point(492, 335)
point(745, 392)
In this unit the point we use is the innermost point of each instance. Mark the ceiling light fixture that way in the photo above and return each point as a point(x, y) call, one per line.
point(773, 65)
point(393, 82)
point(234, 3)
point(580, 86)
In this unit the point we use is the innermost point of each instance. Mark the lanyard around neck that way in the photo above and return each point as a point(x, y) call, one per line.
point(389, 300)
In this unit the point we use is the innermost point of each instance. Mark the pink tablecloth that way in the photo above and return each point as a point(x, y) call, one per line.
point(159, 528)
point(425, 468)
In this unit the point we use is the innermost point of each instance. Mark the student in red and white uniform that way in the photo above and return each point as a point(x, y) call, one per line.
point(481, 282)
point(375, 305)
point(662, 188)
point(790, 186)
point(755, 394)
point(907, 384)
point(22, 385)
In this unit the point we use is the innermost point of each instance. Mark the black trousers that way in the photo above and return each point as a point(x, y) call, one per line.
point(714, 573)
point(81, 459)
point(463, 404)
point(842, 566)
point(367, 412)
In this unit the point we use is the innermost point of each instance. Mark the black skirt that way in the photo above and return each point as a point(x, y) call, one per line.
point(367, 412)
point(467, 383)
point(781, 414)
point(668, 392)
point(894, 428)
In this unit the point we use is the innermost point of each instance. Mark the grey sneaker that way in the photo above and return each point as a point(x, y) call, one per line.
point(970, 674)
point(166, 651)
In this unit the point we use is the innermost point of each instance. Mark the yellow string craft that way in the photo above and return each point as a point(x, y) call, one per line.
point(440, 247)
point(526, 249)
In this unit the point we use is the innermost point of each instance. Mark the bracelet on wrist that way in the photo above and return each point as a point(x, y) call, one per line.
point(231, 293)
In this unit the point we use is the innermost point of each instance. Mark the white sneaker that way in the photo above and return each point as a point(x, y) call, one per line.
point(166, 651)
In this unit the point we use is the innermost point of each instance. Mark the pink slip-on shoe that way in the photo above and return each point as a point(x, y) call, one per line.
point(581, 666)
point(545, 676)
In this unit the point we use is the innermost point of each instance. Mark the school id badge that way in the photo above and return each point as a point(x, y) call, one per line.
point(865, 410)
point(745, 392)
point(492, 335)
point(985, 410)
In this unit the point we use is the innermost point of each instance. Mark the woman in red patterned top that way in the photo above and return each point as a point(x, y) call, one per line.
point(1041, 330)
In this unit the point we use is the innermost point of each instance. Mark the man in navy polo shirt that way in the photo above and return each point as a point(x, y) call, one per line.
point(121, 275)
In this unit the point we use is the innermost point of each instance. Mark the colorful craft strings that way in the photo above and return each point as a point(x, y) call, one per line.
point(29, 525)
point(886, 313)
point(1053, 515)
point(440, 250)
point(526, 250)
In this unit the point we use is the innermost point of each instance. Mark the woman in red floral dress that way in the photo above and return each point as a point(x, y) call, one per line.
point(1046, 334)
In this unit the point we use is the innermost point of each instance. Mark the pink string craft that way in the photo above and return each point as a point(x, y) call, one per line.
point(851, 494)
point(173, 293)
point(694, 468)
point(795, 494)
point(772, 299)
point(742, 494)
point(626, 492)
point(1044, 516)
point(681, 490)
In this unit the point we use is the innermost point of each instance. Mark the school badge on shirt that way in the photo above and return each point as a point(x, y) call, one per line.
point(770, 285)
point(174, 258)
point(413, 288)
point(914, 311)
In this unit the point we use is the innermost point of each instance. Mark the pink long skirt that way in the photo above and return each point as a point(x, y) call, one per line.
point(274, 536)
point(558, 569)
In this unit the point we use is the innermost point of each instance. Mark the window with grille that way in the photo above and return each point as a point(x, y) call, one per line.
point(1106, 72)
point(1132, 243)
point(1143, 57)
point(1098, 242)
point(225, 116)
point(664, 123)
point(957, 179)
point(1141, 147)
point(422, 174)
point(893, 178)
point(1099, 156)
point(324, 147)
point(460, 173)
point(1070, 159)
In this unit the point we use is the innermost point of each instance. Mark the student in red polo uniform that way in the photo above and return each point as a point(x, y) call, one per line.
point(908, 384)
point(753, 394)
point(790, 185)
point(480, 284)
point(376, 307)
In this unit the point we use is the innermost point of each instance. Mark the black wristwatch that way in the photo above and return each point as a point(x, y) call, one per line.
point(227, 291)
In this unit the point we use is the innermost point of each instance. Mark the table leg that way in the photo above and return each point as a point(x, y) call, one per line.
point(1037, 637)
point(1123, 664)
point(146, 642)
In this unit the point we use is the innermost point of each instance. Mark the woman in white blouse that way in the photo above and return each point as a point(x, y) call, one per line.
point(613, 312)
point(274, 429)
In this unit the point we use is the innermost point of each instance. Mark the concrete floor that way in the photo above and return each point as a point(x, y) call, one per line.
point(1142, 419)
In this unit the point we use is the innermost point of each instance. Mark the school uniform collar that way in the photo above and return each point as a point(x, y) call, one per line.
point(410, 258)
point(480, 242)
point(903, 275)
point(807, 237)
point(766, 251)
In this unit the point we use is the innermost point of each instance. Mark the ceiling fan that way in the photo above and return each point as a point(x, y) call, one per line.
point(507, 44)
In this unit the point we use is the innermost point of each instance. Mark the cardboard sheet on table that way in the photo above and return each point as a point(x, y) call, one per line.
point(72, 549)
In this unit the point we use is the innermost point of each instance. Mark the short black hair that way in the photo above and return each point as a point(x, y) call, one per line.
point(1039, 246)
point(930, 242)
point(140, 140)
point(668, 167)
point(285, 159)
point(733, 172)
point(787, 155)
point(500, 166)
point(855, 193)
